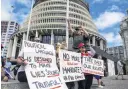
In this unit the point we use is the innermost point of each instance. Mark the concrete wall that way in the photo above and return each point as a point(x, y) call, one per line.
point(111, 67)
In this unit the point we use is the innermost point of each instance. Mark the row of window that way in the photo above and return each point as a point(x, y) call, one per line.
point(78, 11)
point(59, 8)
point(49, 26)
point(60, 3)
point(4, 23)
point(76, 6)
point(50, 8)
point(50, 14)
point(80, 17)
point(77, 22)
point(4, 39)
point(52, 3)
point(62, 20)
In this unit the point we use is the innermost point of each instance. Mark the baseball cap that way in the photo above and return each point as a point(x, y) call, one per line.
point(81, 45)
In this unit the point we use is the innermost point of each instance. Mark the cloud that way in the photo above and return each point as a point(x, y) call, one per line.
point(98, 1)
point(119, 1)
point(114, 8)
point(18, 16)
point(113, 39)
point(26, 3)
point(5, 10)
point(108, 19)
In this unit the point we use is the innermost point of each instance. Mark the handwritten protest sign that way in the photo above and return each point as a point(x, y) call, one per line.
point(70, 66)
point(45, 50)
point(93, 66)
point(41, 70)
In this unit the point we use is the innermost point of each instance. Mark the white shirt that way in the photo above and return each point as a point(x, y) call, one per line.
point(119, 64)
point(8, 64)
point(22, 67)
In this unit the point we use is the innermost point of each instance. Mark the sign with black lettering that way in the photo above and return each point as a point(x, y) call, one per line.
point(41, 69)
point(44, 52)
point(93, 66)
point(70, 66)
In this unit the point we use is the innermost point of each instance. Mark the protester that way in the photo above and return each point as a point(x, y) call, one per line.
point(79, 36)
point(21, 61)
point(99, 78)
point(59, 46)
point(100, 83)
point(120, 69)
point(4, 78)
point(85, 84)
point(15, 70)
point(8, 65)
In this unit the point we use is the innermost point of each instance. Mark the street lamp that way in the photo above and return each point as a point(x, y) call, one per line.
point(6, 36)
point(29, 23)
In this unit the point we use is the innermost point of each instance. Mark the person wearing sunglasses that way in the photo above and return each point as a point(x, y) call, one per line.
point(87, 83)
point(80, 35)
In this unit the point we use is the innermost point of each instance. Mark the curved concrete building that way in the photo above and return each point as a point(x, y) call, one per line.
point(49, 17)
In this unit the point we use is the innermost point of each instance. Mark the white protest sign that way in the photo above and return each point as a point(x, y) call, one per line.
point(40, 76)
point(39, 48)
point(41, 70)
point(45, 52)
point(93, 66)
point(70, 66)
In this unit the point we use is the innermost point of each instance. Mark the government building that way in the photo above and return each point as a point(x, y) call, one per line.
point(48, 23)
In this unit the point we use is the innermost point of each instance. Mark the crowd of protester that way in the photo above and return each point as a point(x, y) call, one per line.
point(81, 44)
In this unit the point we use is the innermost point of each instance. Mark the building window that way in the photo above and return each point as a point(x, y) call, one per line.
point(11, 26)
point(12, 23)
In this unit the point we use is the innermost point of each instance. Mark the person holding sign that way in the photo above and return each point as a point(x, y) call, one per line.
point(21, 61)
point(59, 46)
point(85, 84)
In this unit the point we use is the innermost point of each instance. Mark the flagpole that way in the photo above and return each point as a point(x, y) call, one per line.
point(67, 30)
point(29, 23)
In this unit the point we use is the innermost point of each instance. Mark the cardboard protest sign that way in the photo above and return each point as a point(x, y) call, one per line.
point(42, 76)
point(70, 66)
point(41, 70)
point(46, 51)
point(93, 66)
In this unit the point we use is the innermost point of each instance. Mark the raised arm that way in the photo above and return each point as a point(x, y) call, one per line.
point(93, 52)
point(85, 32)
point(70, 29)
